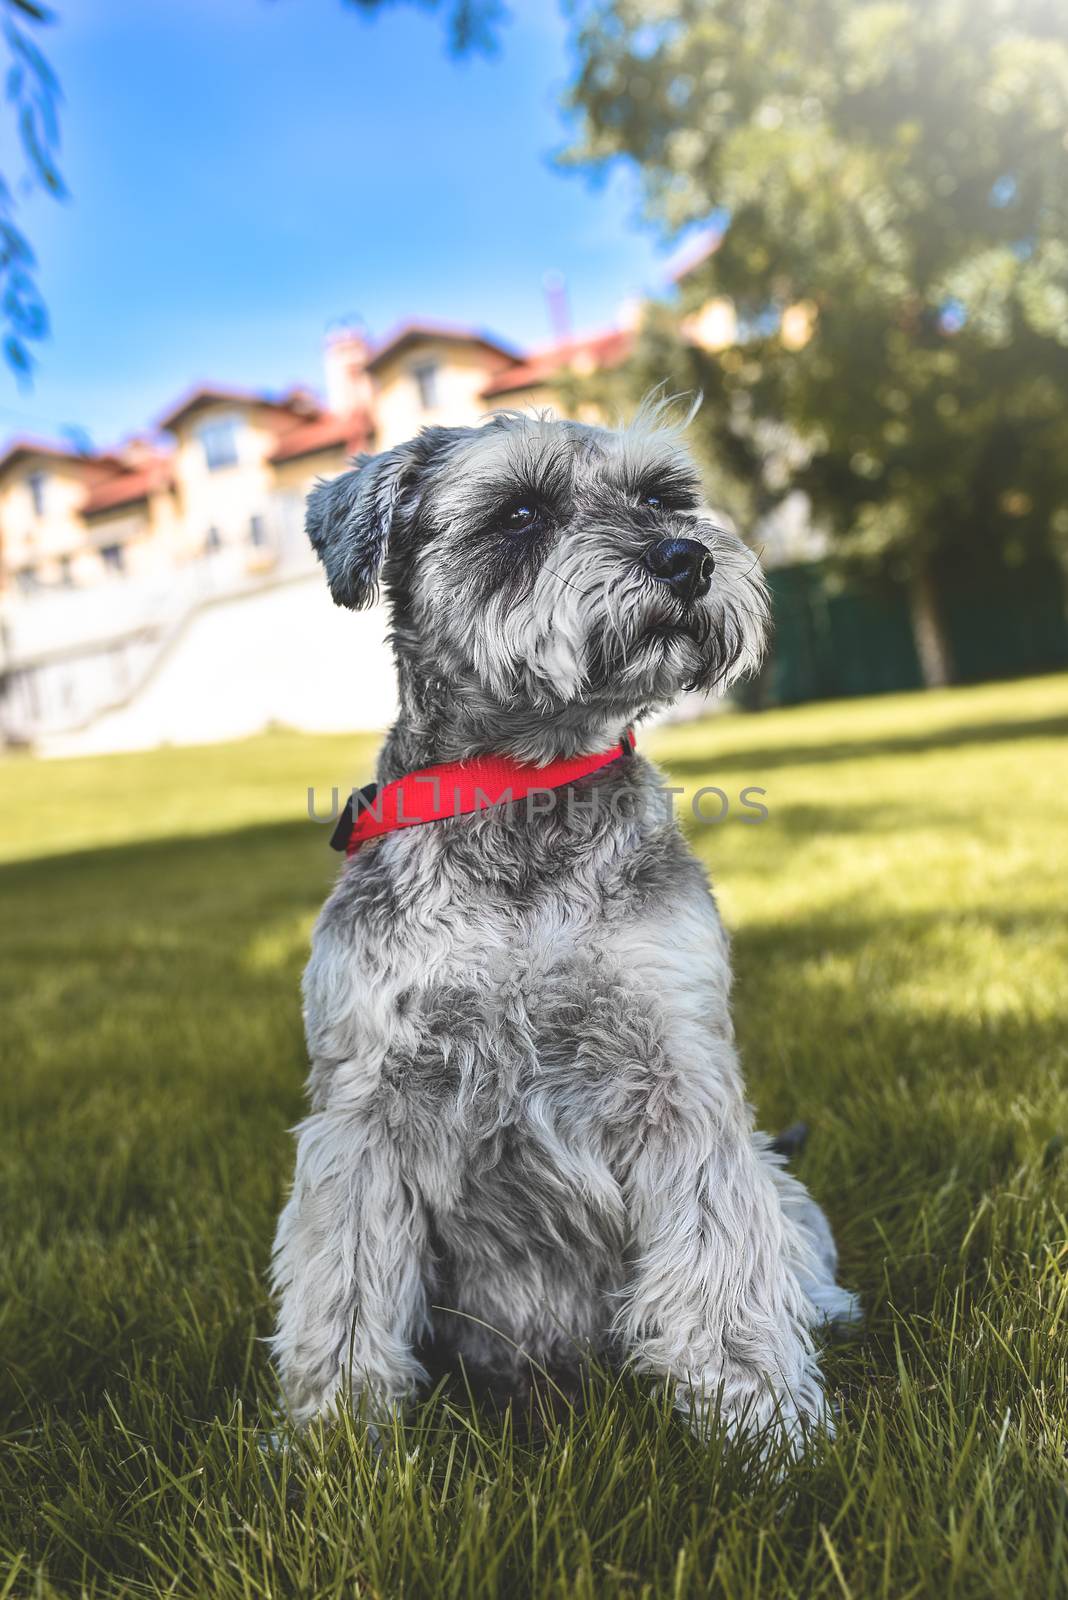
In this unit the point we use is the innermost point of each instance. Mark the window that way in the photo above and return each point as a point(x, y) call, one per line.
point(426, 378)
point(35, 483)
point(212, 540)
point(219, 441)
point(257, 531)
point(113, 557)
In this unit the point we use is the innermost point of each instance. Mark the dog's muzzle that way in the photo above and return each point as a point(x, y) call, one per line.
point(685, 565)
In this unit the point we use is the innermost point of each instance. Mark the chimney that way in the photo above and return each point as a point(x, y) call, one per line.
point(137, 451)
point(348, 383)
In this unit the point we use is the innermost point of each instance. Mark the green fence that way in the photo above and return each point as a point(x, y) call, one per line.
point(832, 640)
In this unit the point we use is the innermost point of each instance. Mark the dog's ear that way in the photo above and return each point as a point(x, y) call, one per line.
point(348, 520)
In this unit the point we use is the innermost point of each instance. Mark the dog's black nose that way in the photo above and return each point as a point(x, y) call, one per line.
point(685, 565)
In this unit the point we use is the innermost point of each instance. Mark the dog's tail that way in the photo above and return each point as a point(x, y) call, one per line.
point(791, 1141)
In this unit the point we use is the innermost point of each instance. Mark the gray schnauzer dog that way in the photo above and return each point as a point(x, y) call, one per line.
point(528, 1139)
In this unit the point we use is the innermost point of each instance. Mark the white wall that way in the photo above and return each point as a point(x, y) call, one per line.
point(283, 654)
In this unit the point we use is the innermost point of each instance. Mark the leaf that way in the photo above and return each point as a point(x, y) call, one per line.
point(33, 58)
point(46, 110)
point(472, 25)
point(37, 13)
point(24, 309)
point(17, 356)
point(15, 245)
point(39, 155)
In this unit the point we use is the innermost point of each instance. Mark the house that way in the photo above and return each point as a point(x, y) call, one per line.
point(109, 560)
point(43, 488)
point(226, 469)
point(165, 590)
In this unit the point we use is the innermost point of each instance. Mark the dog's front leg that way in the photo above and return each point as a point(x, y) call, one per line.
point(347, 1267)
point(714, 1299)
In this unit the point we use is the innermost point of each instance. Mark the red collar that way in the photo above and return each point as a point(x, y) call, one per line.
point(456, 788)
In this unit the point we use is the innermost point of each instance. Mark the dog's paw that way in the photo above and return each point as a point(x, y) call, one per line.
point(779, 1422)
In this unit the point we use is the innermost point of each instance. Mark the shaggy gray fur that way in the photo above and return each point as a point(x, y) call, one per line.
point(528, 1135)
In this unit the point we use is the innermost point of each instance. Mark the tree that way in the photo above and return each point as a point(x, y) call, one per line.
point(893, 175)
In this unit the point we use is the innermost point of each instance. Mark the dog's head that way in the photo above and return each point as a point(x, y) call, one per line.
point(541, 570)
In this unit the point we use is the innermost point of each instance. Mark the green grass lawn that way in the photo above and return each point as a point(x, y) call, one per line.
point(901, 944)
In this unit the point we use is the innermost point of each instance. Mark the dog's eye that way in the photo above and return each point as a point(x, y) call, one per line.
point(653, 500)
point(523, 515)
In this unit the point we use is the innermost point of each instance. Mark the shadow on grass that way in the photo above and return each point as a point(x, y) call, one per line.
point(301, 838)
point(755, 759)
point(770, 845)
point(917, 1102)
point(841, 929)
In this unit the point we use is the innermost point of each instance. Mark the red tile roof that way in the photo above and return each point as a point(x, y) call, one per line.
point(325, 432)
point(128, 487)
point(410, 333)
point(296, 403)
point(20, 449)
point(601, 351)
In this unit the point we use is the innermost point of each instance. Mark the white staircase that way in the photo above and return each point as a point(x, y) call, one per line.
point(217, 649)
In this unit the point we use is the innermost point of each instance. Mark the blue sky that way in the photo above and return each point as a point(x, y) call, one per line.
point(245, 171)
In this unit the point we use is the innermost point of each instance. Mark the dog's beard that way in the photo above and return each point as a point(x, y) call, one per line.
point(661, 653)
point(636, 643)
point(558, 640)
point(659, 647)
point(646, 659)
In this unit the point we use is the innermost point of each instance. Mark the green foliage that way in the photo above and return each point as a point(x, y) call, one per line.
point(900, 947)
point(900, 166)
point(472, 25)
point(32, 92)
